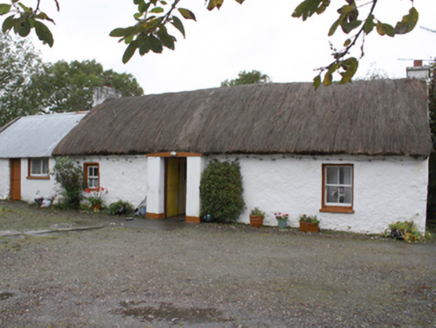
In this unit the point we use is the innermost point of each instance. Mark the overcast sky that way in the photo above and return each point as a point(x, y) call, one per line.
point(260, 34)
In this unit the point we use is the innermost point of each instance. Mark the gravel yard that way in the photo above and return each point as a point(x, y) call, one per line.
point(207, 275)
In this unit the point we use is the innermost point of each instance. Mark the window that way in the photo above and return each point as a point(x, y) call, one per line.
point(337, 188)
point(38, 168)
point(92, 175)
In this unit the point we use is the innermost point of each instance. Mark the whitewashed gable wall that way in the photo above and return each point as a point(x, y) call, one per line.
point(5, 175)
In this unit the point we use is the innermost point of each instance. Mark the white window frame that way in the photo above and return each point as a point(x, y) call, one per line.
point(43, 166)
point(337, 206)
point(92, 177)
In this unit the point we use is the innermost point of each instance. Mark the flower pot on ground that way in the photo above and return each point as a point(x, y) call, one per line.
point(256, 218)
point(282, 219)
point(309, 223)
point(96, 198)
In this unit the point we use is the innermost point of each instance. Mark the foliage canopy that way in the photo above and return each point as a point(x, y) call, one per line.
point(244, 77)
point(28, 86)
point(154, 17)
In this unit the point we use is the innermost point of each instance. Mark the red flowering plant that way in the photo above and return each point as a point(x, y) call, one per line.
point(96, 196)
point(281, 216)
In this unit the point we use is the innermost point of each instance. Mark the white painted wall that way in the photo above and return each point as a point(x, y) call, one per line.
point(156, 185)
point(385, 190)
point(5, 176)
point(195, 166)
point(30, 187)
point(125, 177)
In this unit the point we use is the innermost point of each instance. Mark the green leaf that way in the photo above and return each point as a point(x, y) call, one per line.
point(408, 23)
point(155, 44)
point(306, 9)
point(240, 1)
point(4, 8)
point(323, 7)
point(144, 46)
point(119, 32)
point(327, 79)
point(166, 39)
point(143, 7)
point(178, 24)
point(8, 23)
point(214, 4)
point(348, 27)
point(157, 10)
point(317, 81)
point(347, 42)
point(369, 24)
point(350, 66)
point(43, 33)
point(25, 28)
point(26, 9)
point(385, 29)
point(187, 14)
point(335, 26)
point(130, 51)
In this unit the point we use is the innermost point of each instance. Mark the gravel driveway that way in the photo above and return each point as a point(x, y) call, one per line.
point(209, 275)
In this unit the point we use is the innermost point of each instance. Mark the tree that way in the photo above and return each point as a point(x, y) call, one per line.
point(28, 86)
point(150, 32)
point(67, 87)
point(244, 77)
point(18, 62)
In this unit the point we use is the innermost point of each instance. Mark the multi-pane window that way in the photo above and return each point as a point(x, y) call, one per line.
point(38, 167)
point(338, 187)
point(92, 175)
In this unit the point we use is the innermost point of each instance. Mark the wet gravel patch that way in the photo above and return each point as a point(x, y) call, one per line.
point(214, 276)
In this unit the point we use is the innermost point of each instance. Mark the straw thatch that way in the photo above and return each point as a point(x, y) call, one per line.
point(382, 117)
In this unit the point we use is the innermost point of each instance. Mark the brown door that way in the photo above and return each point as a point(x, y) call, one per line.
point(15, 179)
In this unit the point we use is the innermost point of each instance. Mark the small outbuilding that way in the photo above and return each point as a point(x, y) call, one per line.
point(26, 146)
point(355, 155)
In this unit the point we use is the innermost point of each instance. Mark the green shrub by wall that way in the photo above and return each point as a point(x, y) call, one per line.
point(221, 191)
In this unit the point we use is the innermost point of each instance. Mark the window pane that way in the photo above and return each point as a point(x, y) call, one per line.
point(332, 194)
point(44, 162)
point(93, 183)
point(345, 175)
point(36, 166)
point(95, 171)
point(345, 195)
point(332, 175)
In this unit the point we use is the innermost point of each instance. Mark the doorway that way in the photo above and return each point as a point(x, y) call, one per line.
point(15, 192)
point(175, 187)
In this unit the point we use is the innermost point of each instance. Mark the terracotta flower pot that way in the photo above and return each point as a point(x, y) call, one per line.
point(256, 221)
point(309, 227)
point(96, 208)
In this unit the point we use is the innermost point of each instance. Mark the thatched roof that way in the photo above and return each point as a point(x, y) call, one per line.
point(382, 117)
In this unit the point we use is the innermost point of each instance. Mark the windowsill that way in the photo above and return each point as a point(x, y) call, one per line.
point(38, 178)
point(337, 209)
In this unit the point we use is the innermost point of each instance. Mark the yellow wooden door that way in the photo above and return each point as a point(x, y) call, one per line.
point(173, 187)
point(15, 192)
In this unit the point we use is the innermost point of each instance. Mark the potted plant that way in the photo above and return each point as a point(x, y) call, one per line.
point(282, 219)
point(309, 223)
point(96, 198)
point(256, 217)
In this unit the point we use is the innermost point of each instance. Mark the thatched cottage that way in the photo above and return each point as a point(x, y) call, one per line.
point(26, 146)
point(356, 155)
